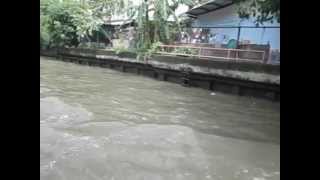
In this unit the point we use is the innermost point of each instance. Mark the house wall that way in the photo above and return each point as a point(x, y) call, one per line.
point(228, 17)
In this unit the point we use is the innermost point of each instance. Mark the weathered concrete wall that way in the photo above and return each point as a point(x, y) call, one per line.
point(231, 77)
point(234, 69)
point(240, 70)
point(219, 64)
point(49, 52)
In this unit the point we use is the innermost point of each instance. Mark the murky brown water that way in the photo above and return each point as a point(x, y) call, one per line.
point(98, 123)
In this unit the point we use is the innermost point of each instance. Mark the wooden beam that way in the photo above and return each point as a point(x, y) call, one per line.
point(209, 48)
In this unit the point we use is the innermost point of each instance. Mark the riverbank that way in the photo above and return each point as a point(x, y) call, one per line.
point(242, 78)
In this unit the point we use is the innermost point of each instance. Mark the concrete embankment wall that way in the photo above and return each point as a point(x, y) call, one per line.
point(241, 78)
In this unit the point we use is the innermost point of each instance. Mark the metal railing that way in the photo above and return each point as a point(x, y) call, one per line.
point(200, 50)
point(222, 34)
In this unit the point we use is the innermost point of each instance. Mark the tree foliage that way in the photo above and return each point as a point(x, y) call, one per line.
point(261, 10)
point(65, 22)
point(106, 8)
point(157, 29)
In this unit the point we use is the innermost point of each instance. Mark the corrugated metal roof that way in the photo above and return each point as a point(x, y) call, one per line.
point(208, 7)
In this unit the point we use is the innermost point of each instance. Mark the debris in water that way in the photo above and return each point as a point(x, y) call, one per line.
point(245, 171)
point(258, 178)
point(212, 93)
point(51, 164)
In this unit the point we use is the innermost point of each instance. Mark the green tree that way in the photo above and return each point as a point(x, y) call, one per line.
point(106, 8)
point(261, 10)
point(65, 22)
point(158, 29)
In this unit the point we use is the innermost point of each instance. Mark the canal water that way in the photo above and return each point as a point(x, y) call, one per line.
point(97, 123)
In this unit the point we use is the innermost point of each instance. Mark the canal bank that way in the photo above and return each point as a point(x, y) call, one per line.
point(241, 78)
